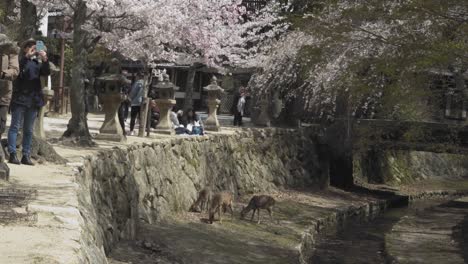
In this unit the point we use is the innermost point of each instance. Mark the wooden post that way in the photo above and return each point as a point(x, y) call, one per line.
point(59, 95)
point(148, 123)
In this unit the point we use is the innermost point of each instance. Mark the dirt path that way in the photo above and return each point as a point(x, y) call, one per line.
point(189, 239)
point(53, 235)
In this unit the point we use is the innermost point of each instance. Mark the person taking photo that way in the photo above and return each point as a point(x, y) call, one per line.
point(27, 99)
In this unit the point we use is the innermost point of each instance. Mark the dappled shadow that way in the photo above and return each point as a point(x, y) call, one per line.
point(201, 243)
point(191, 239)
point(234, 240)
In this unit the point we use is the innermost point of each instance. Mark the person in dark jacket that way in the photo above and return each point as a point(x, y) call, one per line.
point(124, 90)
point(27, 99)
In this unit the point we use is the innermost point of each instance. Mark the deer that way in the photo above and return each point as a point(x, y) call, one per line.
point(203, 200)
point(259, 202)
point(220, 199)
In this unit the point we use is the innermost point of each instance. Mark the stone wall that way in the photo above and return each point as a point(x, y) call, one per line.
point(148, 182)
point(402, 166)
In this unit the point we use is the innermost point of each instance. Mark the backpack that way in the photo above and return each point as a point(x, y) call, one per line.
point(196, 130)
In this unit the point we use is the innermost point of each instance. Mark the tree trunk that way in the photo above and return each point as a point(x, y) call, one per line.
point(28, 21)
point(145, 107)
point(7, 8)
point(188, 100)
point(77, 128)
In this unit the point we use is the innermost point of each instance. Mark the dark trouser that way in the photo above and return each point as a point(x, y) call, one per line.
point(26, 115)
point(120, 114)
point(126, 105)
point(135, 112)
point(3, 118)
point(237, 118)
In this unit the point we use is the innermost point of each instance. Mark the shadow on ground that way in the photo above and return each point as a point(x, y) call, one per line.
point(233, 241)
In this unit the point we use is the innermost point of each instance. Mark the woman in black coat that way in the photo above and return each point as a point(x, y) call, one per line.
point(27, 99)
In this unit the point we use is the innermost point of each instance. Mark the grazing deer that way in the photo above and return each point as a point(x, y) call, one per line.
point(203, 200)
point(221, 199)
point(259, 202)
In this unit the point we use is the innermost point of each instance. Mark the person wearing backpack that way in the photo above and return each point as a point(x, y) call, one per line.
point(136, 98)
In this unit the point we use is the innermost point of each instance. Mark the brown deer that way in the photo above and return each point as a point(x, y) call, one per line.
point(203, 200)
point(259, 202)
point(221, 199)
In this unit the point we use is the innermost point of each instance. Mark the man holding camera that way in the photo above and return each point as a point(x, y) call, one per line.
point(27, 98)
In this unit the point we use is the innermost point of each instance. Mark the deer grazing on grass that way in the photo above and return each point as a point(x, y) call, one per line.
point(259, 202)
point(203, 200)
point(221, 199)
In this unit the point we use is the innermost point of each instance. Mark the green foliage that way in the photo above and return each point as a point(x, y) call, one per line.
point(2, 12)
point(389, 49)
point(307, 6)
point(100, 54)
point(6, 18)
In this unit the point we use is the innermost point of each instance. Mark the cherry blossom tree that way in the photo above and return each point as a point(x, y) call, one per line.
point(210, 32)
point(375, 53)
point(85, 14)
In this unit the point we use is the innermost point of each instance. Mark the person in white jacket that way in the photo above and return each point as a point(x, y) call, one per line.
point(240, 107)
point(136, 98)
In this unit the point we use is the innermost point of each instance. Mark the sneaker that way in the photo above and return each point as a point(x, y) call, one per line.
point(132, 133)
point(26, 160)
point(13, 159)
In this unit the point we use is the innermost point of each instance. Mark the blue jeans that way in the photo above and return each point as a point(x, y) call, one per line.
point(27, 115)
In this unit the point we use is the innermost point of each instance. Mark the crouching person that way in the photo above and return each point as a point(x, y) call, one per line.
point(27, 99)
point(193, 123)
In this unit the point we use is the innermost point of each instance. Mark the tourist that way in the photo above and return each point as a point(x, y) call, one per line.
point(175, 121)
point(180, 115)
point(9, 72)
point(27, 99)
point(239, 107)
point(192, 123)
point(126, 103)
point(154, 114)
point(136, 98)
point(121, 112)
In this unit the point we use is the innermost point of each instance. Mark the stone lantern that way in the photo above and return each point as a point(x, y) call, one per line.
point(39, 124)
point(111, 97)
point(166, 90)
point(48, 97)
point(214, 93)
